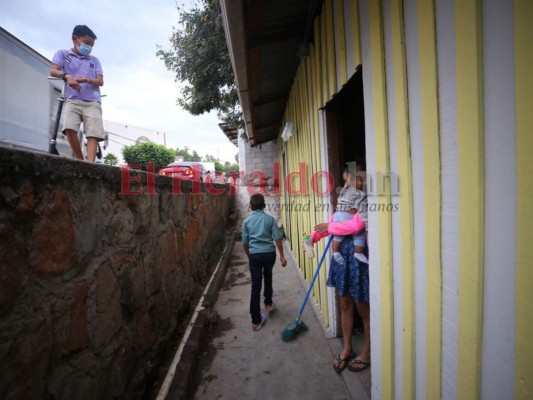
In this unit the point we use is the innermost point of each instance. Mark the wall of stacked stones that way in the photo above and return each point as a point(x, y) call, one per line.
point(95, 280)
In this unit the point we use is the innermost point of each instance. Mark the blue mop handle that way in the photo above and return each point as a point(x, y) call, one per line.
point(314, 278)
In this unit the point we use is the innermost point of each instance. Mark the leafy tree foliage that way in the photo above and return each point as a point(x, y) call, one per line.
point(199, 56)
point(219, 166)
point(209, 158)
point(186, 154)
point(231, 167)
point(146, 152)
point(110, 159)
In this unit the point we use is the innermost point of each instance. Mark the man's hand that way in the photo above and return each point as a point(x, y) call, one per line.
point(82, 79)
point(283, 261)
point(322, 228)
point(73, 83)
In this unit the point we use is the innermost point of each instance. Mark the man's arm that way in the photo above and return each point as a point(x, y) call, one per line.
point(279, 245)
point(278, 236)
point(98, 72)
point(245, 239)
point(98, 81)
point(57, 72)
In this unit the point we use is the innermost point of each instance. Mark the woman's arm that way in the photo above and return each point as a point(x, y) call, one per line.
point(350, 227)
point(321, 231)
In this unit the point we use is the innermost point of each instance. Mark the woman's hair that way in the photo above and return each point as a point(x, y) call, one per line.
point(350, 171)
point(354, 170)
point(82, 30)
point(257, 202)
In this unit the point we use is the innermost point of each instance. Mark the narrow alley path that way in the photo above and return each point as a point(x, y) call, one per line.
point(238, 363)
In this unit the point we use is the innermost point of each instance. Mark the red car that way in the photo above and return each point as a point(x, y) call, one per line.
point(190, 170)
point(216, 177)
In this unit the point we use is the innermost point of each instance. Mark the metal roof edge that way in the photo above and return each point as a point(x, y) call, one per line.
point(233, 21)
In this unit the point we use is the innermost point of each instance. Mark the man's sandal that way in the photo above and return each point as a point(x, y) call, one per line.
point(358, 365)
point(341, 361)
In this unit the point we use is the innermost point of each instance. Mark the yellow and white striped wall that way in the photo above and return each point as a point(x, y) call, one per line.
point(448, 90)
point(334, 54)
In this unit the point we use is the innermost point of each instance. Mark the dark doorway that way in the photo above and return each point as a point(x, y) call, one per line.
point(345, 126)
point(345, 130)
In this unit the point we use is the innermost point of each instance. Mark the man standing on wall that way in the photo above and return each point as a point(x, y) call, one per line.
point(83, 75)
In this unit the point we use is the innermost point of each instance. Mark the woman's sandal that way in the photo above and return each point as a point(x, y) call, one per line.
point(344, 361)
point(355, 365)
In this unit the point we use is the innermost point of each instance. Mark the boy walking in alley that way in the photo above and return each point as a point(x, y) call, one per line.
point(83, 76)
point(259, 232)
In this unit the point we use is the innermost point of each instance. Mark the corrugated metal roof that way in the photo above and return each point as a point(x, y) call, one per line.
point(231, 132)
point(274, 33)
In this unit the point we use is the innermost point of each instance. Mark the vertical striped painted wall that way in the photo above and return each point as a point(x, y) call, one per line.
point(448, 91)
point(446, 94)
point(333, 57)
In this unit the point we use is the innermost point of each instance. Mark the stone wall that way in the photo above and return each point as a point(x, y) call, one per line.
point(94, 283)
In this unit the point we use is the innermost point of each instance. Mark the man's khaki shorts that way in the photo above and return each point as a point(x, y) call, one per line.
point(89, 112)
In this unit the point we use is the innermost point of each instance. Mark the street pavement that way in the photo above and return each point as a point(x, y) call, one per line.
point(238, 363)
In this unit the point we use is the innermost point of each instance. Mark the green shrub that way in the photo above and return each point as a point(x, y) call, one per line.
point(147, 152)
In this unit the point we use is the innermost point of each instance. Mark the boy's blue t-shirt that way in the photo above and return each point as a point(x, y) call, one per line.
point(259, 230)
point(75, 65)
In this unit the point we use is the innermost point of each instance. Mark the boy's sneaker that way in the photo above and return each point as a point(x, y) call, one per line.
point(338, 257)
point(271, 307)
point(257, 327)
point(361, 257)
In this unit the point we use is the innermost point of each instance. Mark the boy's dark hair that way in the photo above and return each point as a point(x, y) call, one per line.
point(82, 30)
point(257, 202)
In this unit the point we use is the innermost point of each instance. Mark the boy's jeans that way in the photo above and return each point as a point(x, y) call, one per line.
point(260, 264)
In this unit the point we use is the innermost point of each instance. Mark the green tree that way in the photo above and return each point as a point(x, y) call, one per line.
point(110, 159)
point(213, 159)
point(229, 167)
point(184, 153)
point(146, 152)
point(209, 158)
point(219, 166)
point(195, 156)
point(199, 56)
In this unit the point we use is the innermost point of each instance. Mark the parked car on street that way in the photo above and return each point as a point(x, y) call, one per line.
point(190, 170)
point(217, 177)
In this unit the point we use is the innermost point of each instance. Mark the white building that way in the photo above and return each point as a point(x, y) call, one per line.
point(121, 134)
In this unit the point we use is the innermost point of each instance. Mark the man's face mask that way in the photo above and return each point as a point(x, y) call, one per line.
point(84, 49)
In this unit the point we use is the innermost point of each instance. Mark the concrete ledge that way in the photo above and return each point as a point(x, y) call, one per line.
point(183, 380)
point(16, 162)
point(211, 296)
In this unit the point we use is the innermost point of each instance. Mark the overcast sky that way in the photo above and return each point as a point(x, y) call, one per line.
point(140, 91)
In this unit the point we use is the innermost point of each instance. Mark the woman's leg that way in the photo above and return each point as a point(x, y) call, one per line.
point(347, 305)
point(364, 310)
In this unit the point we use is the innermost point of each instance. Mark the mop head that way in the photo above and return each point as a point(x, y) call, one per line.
point(293, 330)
